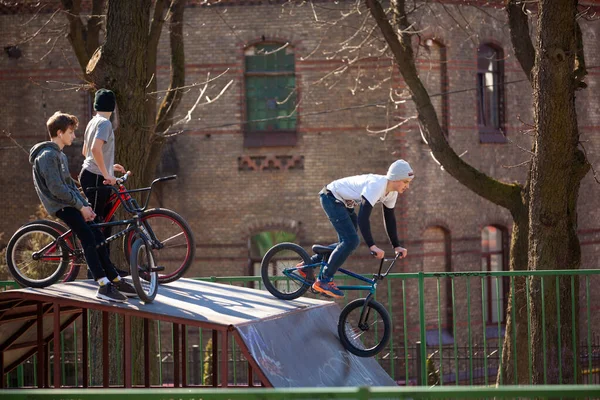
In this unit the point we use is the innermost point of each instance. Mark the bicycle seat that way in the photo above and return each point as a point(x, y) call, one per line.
point(318, 249)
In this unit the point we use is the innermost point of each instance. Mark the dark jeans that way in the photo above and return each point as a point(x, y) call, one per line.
point(97, 259)
point(345, 223)
point(96, 198)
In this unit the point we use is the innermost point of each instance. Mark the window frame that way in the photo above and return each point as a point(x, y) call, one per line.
point(487, 132)
point(265, 138)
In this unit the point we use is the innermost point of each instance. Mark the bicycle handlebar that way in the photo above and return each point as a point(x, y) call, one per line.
point(131, 208)
point(124, 178)
point(393, 261)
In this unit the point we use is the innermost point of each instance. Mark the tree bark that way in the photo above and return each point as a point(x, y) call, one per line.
point(518, 22)
point(515, 347)
point(120, 65)
point(557, 169)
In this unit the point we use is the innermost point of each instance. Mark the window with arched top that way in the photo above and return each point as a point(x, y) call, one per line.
point(490, 94)
point(494, 258)
point(270, 95)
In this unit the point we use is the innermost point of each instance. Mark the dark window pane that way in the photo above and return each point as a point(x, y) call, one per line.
point(489, 80)
point(270, 88)
point(273, 99)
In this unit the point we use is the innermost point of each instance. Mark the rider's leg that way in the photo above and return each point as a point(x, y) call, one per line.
point(74, 220)
point(343, 220)
point(97, 198)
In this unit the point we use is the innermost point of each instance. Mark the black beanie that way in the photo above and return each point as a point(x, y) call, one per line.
point(105, 100)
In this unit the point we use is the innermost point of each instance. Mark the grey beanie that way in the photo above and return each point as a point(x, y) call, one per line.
point(399, 170)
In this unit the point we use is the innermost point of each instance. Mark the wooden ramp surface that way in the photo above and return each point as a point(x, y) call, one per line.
point(293, 343)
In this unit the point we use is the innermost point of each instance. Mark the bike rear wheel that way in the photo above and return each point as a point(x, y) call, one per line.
point(369, 337)
point(143, 274)
point(41, 270)
point(75, 263)
point(279, 258)
point(175, 247)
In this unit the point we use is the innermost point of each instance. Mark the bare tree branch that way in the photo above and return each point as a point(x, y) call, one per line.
point(399, 41)
point(173, 97)
point(77, 31)
point(93, 26)
point(518, 21)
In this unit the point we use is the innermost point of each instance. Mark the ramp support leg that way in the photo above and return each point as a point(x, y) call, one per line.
point(105, 351)
point(224, 356)
point(85, 347)
point(56, 350)
point(40, 345)
point(215, 358)
point(127, 349)
point(146, 353)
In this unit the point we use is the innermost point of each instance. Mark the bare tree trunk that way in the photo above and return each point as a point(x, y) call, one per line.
point(516, 346)
point(557, 169)
point(120, 65)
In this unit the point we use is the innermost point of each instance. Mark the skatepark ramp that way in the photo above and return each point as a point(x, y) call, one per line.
point(285, 343)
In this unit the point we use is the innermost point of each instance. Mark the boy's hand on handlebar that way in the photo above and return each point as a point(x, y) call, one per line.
point(88, 213)
point(109, 180)
point(400, 251)
point(119, 168)
point(377, 252)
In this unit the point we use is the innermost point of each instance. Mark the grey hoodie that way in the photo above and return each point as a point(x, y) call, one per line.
point(53, 183)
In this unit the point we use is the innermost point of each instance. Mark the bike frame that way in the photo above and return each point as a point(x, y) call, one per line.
point(120, 196)
point(372, 283)
point(62, 242)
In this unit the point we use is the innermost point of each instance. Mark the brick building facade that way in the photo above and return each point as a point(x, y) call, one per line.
point(229, 189)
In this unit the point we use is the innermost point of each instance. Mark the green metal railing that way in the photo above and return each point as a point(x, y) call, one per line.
point(362, 393)
point(448, 327)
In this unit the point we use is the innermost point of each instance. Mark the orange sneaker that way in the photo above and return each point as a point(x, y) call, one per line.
point(306, 273)
point(328, 288)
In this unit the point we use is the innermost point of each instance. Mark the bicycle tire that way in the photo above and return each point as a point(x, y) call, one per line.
point(23, 268)
point(72, 271)
point(145, 280)
point(292, 254)
point(352, 336)
point(167, 225)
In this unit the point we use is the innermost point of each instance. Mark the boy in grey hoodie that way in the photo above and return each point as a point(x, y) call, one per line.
point(61, 197)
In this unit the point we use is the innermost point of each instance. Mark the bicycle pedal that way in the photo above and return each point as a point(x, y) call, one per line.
point(158, 268)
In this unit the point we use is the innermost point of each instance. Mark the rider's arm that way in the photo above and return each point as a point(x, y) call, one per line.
point(98, 156)
point(364, 214)
point(50, 169)
point(389, 220)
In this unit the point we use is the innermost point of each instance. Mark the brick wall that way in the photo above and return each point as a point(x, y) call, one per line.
point(226, 204)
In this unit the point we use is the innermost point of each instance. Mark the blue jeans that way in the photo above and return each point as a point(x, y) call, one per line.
point(345, 223)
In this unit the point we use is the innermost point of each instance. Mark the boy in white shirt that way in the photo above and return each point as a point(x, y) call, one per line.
point(338, 200)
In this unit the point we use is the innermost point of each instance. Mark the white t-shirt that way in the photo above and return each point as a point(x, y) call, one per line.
point(350, 190)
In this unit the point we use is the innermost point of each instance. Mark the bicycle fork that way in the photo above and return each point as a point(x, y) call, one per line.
point(363, 323)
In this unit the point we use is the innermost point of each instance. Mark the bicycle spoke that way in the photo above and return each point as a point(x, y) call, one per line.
point(173, 237)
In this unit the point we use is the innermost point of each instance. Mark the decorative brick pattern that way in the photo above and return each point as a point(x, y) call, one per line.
point(270, 163)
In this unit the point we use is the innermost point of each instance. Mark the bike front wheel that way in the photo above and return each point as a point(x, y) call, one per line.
point(34, 256)
point(280, 257)
point(364, 337)
point(143, 272)
point(172, 239)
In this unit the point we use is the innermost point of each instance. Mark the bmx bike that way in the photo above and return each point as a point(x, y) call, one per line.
point(364, 325)
point(168, 233)
point(38, 254)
